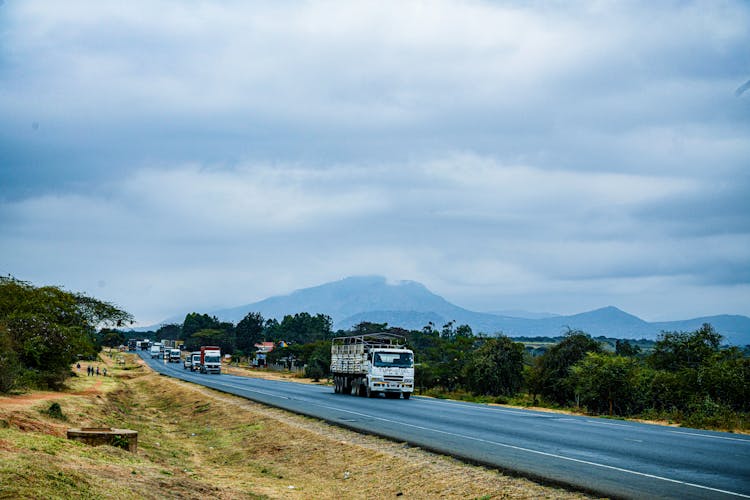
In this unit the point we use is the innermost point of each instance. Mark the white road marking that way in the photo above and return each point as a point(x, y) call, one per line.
point(245, 388)
point(537, 452)
point(528, 450)
point(710, 436)
point(524, 413)
point(597, 422)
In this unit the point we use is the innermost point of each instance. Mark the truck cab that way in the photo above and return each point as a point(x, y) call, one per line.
point(371, 364)
point(195, 360)
point(210, 359)
point(391, 372)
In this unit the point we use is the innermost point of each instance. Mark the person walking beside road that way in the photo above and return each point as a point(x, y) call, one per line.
point(97, 371)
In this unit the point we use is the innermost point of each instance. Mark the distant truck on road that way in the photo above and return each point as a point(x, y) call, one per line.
point(174, 356)
point(192, 361)
point(367, 365)
point(154, 351)
point(210, 360)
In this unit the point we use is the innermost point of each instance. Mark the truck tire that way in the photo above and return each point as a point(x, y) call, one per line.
point(407, 395)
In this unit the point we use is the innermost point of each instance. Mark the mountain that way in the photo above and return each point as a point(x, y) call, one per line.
point(348, 297)
point(519, 313)
point(410, 305)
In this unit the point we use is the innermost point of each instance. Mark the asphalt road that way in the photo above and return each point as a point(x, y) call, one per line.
point(608, 457)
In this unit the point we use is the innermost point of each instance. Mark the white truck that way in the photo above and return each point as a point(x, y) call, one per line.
point(154, 351)
point(192, 361)
point(367, 365)
point(174, 355)
point(210, 359)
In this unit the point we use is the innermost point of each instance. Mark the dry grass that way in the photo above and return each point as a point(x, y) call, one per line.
point(194, 442)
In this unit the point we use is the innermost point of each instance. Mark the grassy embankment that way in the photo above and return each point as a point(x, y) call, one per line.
point(194, 442)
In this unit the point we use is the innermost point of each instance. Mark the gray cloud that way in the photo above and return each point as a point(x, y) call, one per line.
point(506, 155)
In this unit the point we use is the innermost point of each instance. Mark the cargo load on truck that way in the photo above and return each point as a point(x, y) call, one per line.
point(210, 359)
point(367, 365)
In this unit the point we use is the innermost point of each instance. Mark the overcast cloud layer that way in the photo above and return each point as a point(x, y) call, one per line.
point(547, 156)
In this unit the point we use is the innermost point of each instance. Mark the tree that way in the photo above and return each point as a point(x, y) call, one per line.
point(726, 379)
point(249, 331)
point(674, 351)
point(317, 360)
point(367, 327)
point(195, 322)
point(47, 328)
point(220, 338)
point(464, 331)
point(10, 366)
point(608, 383)
point(496, 368)
point(171, 331)
point(552, 368)
point(625, 348)
point(303, 328)
point(272, 330)
point(111, 338)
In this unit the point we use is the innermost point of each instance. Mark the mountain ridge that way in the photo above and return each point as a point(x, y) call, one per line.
point(411, 305)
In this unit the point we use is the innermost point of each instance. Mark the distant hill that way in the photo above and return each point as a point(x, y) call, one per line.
point(410, 305)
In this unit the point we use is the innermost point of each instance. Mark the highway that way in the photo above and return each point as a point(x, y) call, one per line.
point(607, 457)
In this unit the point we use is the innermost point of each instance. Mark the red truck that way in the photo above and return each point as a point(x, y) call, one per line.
point(210, 359)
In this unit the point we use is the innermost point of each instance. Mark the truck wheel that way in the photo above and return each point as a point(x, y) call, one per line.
point(336, 384)
point(371, 393)
point(407, 395)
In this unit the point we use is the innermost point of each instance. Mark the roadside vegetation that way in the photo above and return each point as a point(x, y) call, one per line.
point(44, 329)
point(684, 378)
point(197, 443)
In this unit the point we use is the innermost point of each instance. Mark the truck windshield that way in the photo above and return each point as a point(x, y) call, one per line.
point(397, 359)
point(211, 358)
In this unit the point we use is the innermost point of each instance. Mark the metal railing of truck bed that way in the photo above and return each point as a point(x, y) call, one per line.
point(372, 340)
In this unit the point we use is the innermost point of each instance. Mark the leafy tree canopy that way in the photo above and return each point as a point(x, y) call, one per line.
point(496, 368)
point(45, 329)
point(677, 350)
point(249, 331)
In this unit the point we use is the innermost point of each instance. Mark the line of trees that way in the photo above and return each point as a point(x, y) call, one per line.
point(688, 376)
point(43, 330)
point(684, 374)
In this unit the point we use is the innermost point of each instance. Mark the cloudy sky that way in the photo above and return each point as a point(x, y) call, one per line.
point(547, 156)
